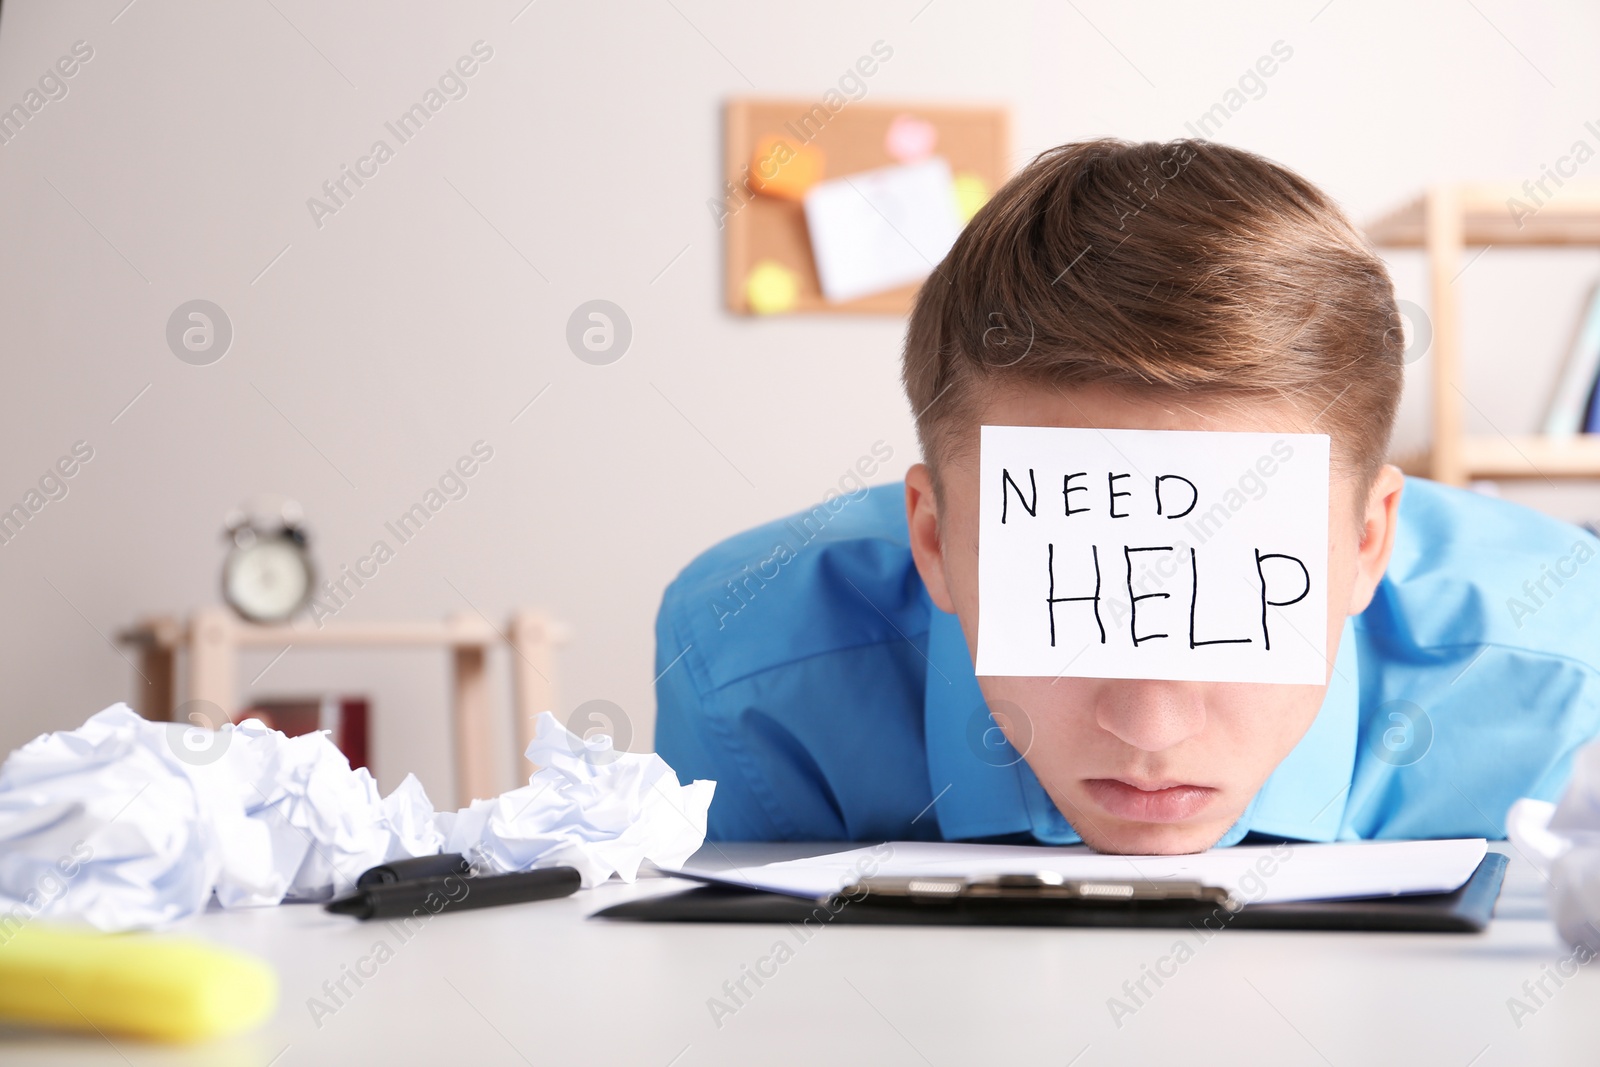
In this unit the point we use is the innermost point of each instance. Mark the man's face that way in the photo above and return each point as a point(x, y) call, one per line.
point(1145, 766)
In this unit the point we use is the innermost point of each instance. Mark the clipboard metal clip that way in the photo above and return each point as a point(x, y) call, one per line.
point(1039, 887)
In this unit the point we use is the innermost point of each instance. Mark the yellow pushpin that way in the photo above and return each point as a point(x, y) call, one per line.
point(771, 288)
point(972, 192)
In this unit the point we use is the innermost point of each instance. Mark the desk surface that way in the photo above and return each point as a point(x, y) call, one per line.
point(540, 983)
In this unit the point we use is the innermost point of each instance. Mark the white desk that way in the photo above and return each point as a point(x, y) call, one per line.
point(539, 983)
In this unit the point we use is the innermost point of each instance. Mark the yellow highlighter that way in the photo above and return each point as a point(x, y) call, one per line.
point(146, 985)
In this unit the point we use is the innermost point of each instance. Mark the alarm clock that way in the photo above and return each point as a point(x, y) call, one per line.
point(267, 576)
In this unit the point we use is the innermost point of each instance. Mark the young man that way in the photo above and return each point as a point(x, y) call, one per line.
point(821, 668)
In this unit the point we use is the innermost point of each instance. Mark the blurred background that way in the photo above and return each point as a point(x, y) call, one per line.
point(373, 346)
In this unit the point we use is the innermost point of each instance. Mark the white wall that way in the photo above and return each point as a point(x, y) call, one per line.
point(406, 328)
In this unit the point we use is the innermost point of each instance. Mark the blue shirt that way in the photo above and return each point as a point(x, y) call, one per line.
point(805, 669)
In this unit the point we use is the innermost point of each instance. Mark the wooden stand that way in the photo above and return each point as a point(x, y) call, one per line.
point(1446, 221)
point(213, 637)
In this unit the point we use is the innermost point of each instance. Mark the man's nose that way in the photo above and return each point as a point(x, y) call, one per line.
point(1151, 715)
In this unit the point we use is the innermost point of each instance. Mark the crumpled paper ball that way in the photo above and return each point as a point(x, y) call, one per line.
point(126, 823)
point(588, 806)
point(1563, 841)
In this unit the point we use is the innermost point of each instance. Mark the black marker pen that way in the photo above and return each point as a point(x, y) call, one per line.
point(455, 893)
point(409, 870)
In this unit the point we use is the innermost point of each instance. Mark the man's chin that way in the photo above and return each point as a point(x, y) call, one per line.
point(1150, 839)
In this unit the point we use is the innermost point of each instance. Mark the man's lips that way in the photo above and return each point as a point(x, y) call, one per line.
point(1154, 802)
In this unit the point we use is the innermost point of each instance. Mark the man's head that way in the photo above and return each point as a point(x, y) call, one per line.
point(1155, 286)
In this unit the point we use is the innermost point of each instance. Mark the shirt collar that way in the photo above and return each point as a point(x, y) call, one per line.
point(1304, 799)
point(984, 788)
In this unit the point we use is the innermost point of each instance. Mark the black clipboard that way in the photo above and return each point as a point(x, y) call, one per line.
point(1465, 911)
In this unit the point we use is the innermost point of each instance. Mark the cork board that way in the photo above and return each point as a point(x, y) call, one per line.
point(976, 141)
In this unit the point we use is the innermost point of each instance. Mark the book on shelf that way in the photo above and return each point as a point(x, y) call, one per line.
point(1572, 406)
point(344, 717)
point(1591, 415)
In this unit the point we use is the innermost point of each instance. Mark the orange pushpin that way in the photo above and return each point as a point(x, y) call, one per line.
point(782, 168)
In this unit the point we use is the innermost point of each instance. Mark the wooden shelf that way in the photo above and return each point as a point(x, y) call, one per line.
point(1532, 457)
point(1526, 457)
point(212, 638)
point(1444, 221)
point(1569, 217)
point(465, 630)
point(171, 633)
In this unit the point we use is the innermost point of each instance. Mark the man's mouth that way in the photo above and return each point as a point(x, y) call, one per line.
point(1149, 801)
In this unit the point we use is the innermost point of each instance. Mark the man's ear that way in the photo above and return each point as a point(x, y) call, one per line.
point(1377, 536)
point(927, 544)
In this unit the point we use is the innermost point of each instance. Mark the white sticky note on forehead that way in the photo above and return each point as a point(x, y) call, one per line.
point(1169, 554)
